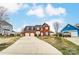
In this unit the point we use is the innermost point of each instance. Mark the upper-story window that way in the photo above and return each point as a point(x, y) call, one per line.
point(27, 28)
point(6, 27)
point(38, 28)
point(32, 28)
point(46, 28)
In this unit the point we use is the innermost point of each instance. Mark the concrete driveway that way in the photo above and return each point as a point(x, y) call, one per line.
point(74, 40)
point(30, 45)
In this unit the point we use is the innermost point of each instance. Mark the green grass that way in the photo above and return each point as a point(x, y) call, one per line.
point(3, 46)
point(8, 41)
point(63, 45)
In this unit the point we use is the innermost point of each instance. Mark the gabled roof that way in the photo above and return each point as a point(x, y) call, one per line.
point(29, 27)
point(69, 27)
point(45, 24)
point(38, 25)
point(3, 22)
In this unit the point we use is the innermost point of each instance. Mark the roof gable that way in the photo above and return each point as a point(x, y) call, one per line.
point(45, 24)
point(69, 27)
point(3, 22)
point(38, 25)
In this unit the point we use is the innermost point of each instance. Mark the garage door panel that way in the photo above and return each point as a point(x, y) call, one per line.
point(31, 34)
point(26, 34)
point(74, 33)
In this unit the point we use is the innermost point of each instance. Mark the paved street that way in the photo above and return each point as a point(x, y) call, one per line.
point(74, 40)
point(31, 45)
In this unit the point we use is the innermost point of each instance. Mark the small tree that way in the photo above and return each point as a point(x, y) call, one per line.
point(56, 27)
point(3, 13)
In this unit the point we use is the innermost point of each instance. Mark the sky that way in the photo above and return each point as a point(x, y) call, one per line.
point(30, 14)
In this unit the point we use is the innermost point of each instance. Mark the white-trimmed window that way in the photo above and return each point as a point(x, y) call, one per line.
point(38, 28)
point(41, 34)
point(27, 28)
point(46, 28)
point(32, 28)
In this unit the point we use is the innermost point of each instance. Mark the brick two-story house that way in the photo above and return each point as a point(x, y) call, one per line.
point(37, 30)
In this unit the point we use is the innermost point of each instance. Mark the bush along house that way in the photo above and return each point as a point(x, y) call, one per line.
point(37, 30)
point(71, 30)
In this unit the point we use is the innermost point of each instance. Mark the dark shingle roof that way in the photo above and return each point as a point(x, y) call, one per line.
point(45, 24)
point(25, 29)
point(38, 25)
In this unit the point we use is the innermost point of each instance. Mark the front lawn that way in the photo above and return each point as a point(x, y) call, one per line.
point(7, 41)
point(63, 45)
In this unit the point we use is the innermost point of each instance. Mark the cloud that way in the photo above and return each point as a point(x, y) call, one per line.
point(52, 11)
point(52, 21)
point(39, 12)
point(26, 5)
point(11, 7)
point(49, 10)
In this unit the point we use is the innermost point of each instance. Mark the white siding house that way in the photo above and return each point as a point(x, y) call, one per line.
point(5, 28)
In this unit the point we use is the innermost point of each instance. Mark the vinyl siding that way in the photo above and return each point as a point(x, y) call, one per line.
point(70, 28)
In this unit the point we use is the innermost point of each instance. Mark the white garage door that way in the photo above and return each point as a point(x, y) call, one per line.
point(74, 33)
point(31, 34)
point(26, 34)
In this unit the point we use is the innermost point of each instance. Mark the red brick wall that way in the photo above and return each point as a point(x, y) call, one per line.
point(45, 30)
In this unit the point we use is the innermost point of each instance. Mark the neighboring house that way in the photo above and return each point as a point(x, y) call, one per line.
point(5, 28)
point(37, 30)
point(71, 30)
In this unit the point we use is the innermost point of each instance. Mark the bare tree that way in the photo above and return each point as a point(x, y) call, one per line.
point(56, 26)
point(3, 13)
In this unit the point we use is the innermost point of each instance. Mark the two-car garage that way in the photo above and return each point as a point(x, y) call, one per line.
point(29, 34)
point(74, 33)
point(72, 30)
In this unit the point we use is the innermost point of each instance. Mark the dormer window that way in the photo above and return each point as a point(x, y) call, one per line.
point(38, 28)
point(32, 28)
point(27, 28)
